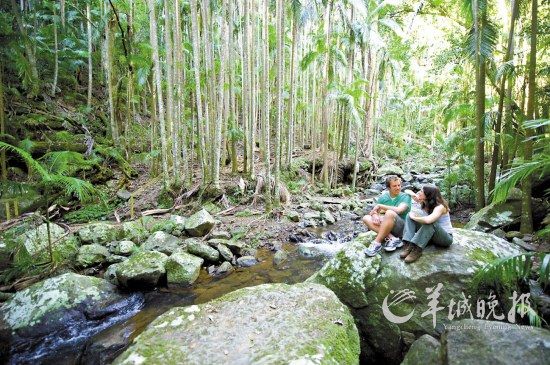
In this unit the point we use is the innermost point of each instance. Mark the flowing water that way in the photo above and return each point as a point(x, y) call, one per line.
point(93, 342)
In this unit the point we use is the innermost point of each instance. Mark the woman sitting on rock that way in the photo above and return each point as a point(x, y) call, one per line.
point(431, 224)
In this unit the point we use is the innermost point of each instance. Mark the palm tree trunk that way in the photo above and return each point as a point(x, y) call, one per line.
point(280, 76)
point(56, 52)
point(89, 32)
point(158, 83)
point(507, 57)
point(479, 20)
point(526, 225)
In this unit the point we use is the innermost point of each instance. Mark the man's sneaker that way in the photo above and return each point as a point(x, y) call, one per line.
point(373, 249)
point(393, 243)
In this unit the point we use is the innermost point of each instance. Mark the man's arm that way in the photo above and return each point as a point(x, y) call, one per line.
point(401, 208)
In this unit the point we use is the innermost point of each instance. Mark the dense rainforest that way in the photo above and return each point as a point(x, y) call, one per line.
point(216, 136)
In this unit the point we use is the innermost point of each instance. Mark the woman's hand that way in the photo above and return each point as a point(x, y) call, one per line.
point(415, 217)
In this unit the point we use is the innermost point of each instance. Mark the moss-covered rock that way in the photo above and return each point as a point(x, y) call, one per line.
point(183, 268)
point(389, 169)
point(89, 255)
point(225, 252)
point(364, 283)
point(135, 231)
point(100, 233)
point(199, 223)
point(34, 243)
point(489, 342)
point(200, 249)
point(124, 248)
point(142, 269)
point(350, 274)
point(424, 351)
point(253, 326)
point(44, 305)
point(162, 242)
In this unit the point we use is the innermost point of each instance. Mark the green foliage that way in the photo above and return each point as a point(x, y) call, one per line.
point(90, 213)
point(66, 162)
point(508, 271)
point(82, 190)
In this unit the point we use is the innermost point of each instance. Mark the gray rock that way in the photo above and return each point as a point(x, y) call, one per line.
point(199, 223)
point(142, 269)
point(499, 233)
point(225, 252)
point(389, 170)
point(124, 194)
point(249, 251)
point(488, 342)
point(110, 274)
point(89, 255)
point(253, 326)
point(179, 222)
point(183, 268)
point(279, 257)
point(501, 215)
point(224, 268)
point(100, 233)
point(293, 216)
point(513, 234)
point(124, 248)
point(216, 234)
point(162, 242)
point(407, 177)
point(424, 351)
point(203, 250)
point(246, 261)
point(114, 259)
point(328, 217)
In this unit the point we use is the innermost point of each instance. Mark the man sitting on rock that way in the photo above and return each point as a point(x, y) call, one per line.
point(389, 226)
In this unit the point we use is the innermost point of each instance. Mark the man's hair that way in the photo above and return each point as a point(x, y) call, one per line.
point(391, 178)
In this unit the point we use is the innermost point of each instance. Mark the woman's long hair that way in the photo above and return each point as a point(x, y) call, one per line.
point(433, 198)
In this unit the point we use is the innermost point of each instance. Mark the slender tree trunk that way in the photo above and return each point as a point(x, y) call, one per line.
point(526, 225)
point(170, 126)
point(3, 168)
point(280, 76)
point(292, 99)
point(179, 121)
point(158, 83)
point(30, 52)
point(89, 32)
point(480, 111)
point(325, 103)
point(56, 52)
point(266, 103)
point(507, 57)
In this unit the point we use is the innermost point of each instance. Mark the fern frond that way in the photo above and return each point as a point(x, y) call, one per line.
point(505, 272)
point(66, 162)
point(82, 190)
point(31, 163)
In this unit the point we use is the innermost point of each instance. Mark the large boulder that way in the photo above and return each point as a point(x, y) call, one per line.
point(489, 342)
point(142, 269)
point(183, 268)
point(389, 169)
point(162, 242)
point(482, 342)
point(253, 326)
point(365, 284)
point(200, 223)
point(57, 307)
point(100, 233)
point(502, 215)
point(34, 243)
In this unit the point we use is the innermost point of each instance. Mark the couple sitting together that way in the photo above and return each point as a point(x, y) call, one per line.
point(391, 219)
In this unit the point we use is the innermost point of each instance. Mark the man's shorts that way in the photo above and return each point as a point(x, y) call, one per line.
point(398, 227)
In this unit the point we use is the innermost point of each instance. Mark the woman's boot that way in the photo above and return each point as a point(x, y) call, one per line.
point(415, 253)
point(407, 247)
